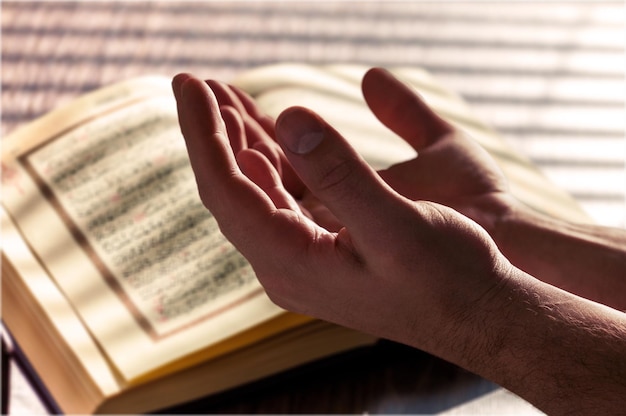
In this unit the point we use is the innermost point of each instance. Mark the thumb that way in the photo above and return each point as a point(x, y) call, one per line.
point(399, 108)
point(335, 173)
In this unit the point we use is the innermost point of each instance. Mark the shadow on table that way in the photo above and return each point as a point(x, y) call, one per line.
point(385, 378)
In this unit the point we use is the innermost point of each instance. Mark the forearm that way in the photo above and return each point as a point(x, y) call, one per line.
point(586, 260)
point(560, 352)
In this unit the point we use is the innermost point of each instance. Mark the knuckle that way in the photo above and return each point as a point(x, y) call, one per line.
point(340, 175)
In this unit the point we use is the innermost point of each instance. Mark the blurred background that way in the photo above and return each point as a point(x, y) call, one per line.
point(549, 76)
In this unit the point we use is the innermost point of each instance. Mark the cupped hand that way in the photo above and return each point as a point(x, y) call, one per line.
point(415, 272)
point(258, 133)
point(450, 168)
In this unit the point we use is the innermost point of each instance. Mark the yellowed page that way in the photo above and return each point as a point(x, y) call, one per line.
point(58, 312)
point(111, 208)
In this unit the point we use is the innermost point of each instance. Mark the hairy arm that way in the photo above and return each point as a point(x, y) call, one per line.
point(411, 271)
point(563, 353)
point(584, 259)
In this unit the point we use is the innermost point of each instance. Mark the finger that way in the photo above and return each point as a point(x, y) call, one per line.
point(234, 128)
point(244, 212)
point(259, 128)
point(334, 172)
point(259, 169)
point(234, 97)
point(312, 207)
point(399, 108)
point(255, 133)
point(271, 153)
point(265, 121)
point(291, 181)
point(225, 96)
point(204, 131)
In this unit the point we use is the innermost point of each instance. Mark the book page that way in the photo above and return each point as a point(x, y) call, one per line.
point(124, 186)
point(30, 325)
point(112, 208)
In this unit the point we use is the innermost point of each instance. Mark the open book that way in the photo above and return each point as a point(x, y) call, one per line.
point(118, 285)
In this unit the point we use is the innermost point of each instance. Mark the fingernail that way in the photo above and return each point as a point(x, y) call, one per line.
point(177, 83)
point(299, 130)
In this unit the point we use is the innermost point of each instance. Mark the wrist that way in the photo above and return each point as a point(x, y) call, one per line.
point(477, 329)
point(493, 212)
point(506, 223)
point(527, 334)
point(560, 351)
point(489, 316)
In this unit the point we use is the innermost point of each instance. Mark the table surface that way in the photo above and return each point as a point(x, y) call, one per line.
point(549, 77)
point(386, 378)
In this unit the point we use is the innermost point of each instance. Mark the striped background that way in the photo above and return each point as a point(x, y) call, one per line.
point(549, 76)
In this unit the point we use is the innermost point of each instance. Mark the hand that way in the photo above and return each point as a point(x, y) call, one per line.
point(410, 271)
point(259, 134)
point(451, 169)
point(415, 272)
